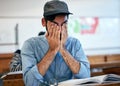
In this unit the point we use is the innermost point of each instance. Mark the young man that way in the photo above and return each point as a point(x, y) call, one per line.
point(53, 56)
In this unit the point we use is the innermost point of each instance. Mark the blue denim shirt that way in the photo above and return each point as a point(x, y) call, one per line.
point(33, 51)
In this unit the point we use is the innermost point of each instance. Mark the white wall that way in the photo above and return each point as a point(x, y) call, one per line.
point(27, 13)
point(102, 8)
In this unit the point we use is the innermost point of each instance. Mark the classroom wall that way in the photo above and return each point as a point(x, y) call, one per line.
point(25, 16)
point(101, 8)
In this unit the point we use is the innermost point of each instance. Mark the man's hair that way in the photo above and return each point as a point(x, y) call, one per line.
point(41, 33)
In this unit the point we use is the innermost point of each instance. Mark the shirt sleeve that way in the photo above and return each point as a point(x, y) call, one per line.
point(31, 75)
point(80, 56)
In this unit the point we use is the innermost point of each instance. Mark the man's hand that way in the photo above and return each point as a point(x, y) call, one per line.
point(53, 36)
point(64, 36)
point(72, 63)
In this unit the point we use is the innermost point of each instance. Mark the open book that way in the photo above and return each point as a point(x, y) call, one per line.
point(9, 74)
point(91, 81)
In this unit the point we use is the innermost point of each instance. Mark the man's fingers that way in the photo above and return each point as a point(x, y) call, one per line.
point(50, 28)
point(46, 34)
point(54, 30)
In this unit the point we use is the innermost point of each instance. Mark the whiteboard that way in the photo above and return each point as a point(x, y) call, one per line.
point(7, 33)
point(96, 34)
point(26, 28)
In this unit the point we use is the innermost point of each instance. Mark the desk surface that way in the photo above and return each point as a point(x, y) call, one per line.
point(13, 79)
point(13, 82)
point(105, 64)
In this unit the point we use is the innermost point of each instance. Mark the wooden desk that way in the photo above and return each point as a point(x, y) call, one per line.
point(5, 61)
point(107, 63)
point(14, 79)
point(13, 82)
point(104, 61)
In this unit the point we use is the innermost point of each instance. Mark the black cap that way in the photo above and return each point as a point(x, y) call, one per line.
point(55, 7)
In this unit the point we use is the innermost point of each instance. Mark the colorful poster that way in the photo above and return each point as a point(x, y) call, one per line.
point(96, 33)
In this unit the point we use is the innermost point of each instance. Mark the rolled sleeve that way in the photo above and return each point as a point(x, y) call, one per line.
point(36, 73)
point(31, 75)
point(83, 72)
point(33, 78)
point(79, 55)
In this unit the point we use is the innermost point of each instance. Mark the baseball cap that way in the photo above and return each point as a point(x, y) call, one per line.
point(55, 7)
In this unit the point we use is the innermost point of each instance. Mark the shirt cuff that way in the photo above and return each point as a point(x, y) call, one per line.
point(36, 73)
point(84, 72)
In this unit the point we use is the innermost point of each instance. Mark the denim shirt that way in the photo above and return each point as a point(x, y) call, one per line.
point(33, 51)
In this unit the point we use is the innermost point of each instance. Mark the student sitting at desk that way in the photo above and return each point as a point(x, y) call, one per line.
point(16, 62)
point(53, 57)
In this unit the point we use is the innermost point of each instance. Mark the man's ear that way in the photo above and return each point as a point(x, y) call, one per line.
point(43, 22)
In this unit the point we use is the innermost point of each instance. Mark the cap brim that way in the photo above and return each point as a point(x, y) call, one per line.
point(54, 13)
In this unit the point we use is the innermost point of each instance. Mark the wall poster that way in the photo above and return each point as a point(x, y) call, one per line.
point(96, 33)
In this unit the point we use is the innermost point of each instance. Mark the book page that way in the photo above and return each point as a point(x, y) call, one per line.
point(111, 78)
point(10, 73)
point(91, 80)
point(16, 72)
